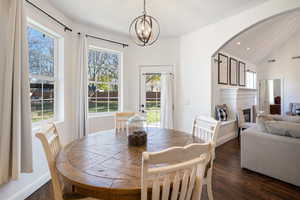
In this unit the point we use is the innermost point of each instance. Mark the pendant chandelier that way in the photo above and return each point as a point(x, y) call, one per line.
point(144, 30)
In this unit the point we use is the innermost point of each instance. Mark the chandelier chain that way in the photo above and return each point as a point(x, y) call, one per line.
point(144, 6)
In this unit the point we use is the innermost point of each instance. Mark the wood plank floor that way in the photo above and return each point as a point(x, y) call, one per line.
point(230, 182)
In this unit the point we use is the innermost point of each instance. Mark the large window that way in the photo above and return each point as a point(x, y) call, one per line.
point(103, 74)
point(42, 69)
point(251, 79)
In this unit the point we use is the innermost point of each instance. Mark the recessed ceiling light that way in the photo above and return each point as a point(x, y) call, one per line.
point(248, 48)
point(238, 43)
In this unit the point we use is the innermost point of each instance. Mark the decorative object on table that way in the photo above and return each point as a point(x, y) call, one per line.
point(233, 71)
point(222, 69)
point(144, 29)
point(222, 112)
point(242, 74)
point(136, 130)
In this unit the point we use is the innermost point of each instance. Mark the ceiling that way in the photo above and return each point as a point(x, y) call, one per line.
point(176, 17)
point(263, 38)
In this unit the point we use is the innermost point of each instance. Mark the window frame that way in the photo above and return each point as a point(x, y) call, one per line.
point(55, 78)
point(254, 79)
point(119, 82)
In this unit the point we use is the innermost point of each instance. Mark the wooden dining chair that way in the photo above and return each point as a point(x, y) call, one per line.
point(207, 130)
point(121, 119)
point(175, 173)
point(51, 143)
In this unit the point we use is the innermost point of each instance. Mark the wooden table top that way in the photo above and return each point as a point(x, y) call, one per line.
point(104, 162)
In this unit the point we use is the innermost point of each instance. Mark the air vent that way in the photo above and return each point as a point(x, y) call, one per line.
point(271, 60)
point(296, 57)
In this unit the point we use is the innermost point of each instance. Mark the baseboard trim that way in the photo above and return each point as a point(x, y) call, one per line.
point(226, 138)
point(28, 190)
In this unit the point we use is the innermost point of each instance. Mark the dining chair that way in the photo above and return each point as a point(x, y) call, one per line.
point(207, 130)
point(175, 173)
point(51, 143)
point(121, 118)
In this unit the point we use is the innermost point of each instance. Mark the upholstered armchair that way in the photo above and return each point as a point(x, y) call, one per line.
point(293, 108)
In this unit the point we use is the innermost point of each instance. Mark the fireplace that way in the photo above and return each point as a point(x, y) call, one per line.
point(247, 114)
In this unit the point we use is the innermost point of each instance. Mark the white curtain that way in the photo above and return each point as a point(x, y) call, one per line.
point(15, 113)
point(81, 114)
point(166, 101)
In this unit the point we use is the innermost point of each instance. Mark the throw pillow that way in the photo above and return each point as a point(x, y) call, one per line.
point(222, 114)
point(283, 128)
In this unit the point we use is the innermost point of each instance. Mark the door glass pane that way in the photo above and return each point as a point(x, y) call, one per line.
point(153, 99)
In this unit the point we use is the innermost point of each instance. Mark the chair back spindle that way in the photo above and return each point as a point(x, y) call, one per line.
point(206, 129)
point(175, 173)
point(51, 144)
point(121, 119)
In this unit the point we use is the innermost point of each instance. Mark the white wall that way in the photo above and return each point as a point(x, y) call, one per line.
point(195, 84)
point(285, 68)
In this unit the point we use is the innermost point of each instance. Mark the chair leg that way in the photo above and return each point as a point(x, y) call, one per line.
point(209, 185)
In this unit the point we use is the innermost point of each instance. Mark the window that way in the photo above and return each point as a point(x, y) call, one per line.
point(103, 87)
point(251, 79)
point(42, 72)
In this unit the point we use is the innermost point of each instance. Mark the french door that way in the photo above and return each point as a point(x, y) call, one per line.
point(150, 92)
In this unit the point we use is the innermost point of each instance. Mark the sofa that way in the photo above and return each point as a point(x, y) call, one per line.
point(274, 155)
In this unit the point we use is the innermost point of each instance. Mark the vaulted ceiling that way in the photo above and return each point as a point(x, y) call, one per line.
point(256, 44)
point(176, 17)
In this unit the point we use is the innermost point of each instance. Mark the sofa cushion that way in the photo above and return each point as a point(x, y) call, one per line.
point(283, 128)
point(295, 119)
point(260, 121)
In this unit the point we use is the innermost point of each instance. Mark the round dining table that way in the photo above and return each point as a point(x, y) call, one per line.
point(104, 166)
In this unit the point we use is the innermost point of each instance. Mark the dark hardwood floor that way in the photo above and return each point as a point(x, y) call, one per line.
point(230, 181)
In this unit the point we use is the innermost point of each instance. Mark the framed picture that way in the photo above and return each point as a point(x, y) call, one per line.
point(233, 71)
point(222, 69)
point(242, 74)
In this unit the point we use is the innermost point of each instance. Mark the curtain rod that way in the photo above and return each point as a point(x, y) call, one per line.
point(107, 40)
point(54, 19)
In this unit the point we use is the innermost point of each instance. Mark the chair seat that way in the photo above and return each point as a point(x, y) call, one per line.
point(246, 125)
point(74, 196)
